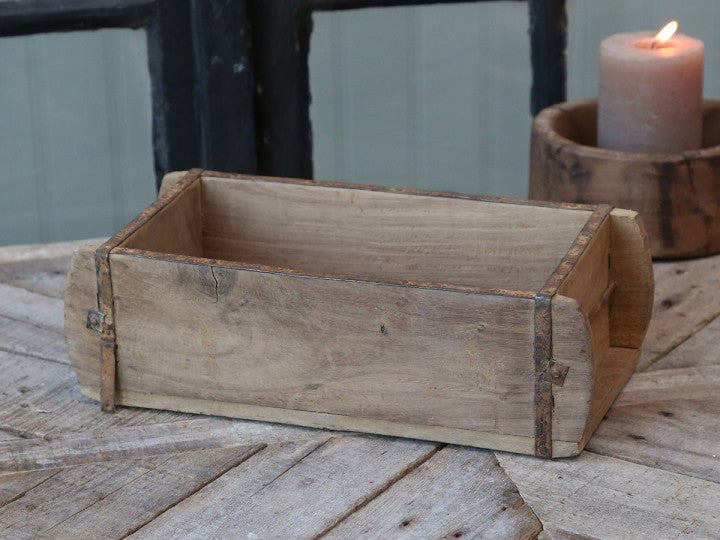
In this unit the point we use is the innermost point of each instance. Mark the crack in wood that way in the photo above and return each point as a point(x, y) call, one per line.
point(217, 296)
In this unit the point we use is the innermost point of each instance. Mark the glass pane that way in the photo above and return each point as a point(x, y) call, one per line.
point(425, 96)
point(75, 140)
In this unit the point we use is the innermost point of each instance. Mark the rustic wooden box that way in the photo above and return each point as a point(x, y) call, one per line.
point(489, 322)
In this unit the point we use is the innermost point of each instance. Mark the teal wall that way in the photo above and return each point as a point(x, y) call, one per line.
point(433, 96)
point(75, 144)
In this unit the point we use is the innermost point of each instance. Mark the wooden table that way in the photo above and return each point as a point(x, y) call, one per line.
point(68, 470)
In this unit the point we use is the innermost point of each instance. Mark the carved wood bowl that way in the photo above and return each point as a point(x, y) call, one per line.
point(677, 195)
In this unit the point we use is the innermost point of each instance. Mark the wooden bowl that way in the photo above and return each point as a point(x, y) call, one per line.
point(678, 195)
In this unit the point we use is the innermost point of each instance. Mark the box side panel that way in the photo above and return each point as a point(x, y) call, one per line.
point(177, 228)
point(573, 349)
point(385, 236)
point(588, 280)
point(80, 296)
point(393, 354)
point(581, 335)
point(626, 314)
point(631, 268)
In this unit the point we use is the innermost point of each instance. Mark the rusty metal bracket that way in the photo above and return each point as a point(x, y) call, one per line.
point(95, 320)
point(543, 387)
point(106, 326)
point(555, 372)
point(548, 372)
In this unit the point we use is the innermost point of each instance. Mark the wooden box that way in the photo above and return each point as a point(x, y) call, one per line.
point(490, 322)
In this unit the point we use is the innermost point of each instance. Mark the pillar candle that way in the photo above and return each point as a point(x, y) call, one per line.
point(650, 97)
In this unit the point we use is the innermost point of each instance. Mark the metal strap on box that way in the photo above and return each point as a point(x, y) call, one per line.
point(102, 319)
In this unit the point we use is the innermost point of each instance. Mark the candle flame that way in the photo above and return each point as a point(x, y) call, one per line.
point(666, 32)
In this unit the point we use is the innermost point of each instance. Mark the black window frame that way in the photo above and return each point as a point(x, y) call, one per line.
point(229, 78)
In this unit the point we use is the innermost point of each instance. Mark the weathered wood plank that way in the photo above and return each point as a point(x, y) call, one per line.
point(90, 446)
point(559, 534)
point(111, 500)
point(55, 250)
point(701, 349)
point(140, 501)
point(15, 485)
point(603, 497)
point(31, 322)
point(37, 309)
point(631, 270)
point(679, 436)
point(273, 495)
point(39, 268)
point(458, 492)
point(25, 338)
point(667, 419)
point(42, 276)
point(66, 493)
point(41, 398)
point(42, 401)
point(687, 298)
point(7, 433)
point(670, 385)
point(581, 339)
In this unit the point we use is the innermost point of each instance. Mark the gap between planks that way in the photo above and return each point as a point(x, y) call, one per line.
point(33, 356)
point(383, 488)
point(330, 483)
point(244, 457)
point(658, 357)
point(687, 299)
point(110, 499)
point(573, 495)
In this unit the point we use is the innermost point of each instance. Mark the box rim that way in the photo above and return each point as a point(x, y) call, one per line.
point(203, 173)
point(219, 263)
point(115, 243)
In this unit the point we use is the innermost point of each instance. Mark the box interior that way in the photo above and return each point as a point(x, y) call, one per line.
point(364, 234)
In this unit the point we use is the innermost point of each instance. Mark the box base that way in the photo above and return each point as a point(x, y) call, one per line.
point(335, 422)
